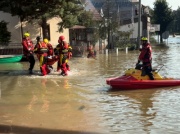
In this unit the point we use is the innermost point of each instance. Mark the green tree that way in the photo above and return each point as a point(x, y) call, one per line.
point(177, 20)
point(88, 16)
point(110, 24)
point(42, 10)
point(5, 35)
point(162, 15)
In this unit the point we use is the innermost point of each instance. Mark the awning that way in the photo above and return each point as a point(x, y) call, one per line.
point(77, 27)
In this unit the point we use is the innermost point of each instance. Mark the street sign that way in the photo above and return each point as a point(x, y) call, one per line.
point(152, 29)
point(156, 26)
point(165, 35)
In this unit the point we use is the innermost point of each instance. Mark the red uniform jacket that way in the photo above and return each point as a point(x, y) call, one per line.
point(41, 48)
point(28, 46)
point(61, 47)
point(146, 53)
point(50, 49)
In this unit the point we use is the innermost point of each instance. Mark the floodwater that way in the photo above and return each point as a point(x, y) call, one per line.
point(82, 102)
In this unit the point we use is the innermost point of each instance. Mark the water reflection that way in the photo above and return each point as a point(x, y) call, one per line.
point(139, 111)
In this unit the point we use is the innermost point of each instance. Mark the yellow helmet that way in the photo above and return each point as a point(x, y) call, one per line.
point(26, 34)
point(144, 38)
point(46, 40)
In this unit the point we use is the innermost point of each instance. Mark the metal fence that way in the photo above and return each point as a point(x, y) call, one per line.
point(11, 49)
point(123, 43)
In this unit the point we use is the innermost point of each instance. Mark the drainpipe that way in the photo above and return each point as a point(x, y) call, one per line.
point(139, 26)
point(21, 28)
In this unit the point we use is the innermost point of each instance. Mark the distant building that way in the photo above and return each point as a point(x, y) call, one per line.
point(125, 11)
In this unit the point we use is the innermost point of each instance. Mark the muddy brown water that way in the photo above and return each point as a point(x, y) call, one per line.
point(83, 103)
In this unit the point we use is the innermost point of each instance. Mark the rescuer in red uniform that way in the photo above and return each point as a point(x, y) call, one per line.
point(28, 49)
point(146, 57)
point(62, 51)
point(91, 52)
point(41, 50)
point(51, 58)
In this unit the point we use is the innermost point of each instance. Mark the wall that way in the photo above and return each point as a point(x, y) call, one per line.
point(128, 27)
point(54, 31)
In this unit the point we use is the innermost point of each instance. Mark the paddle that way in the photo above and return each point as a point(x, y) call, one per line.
point(160, 68)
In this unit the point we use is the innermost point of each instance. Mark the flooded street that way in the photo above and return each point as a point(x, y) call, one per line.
point(83, 103)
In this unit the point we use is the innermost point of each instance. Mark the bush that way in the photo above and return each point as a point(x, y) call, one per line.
point(5, 35)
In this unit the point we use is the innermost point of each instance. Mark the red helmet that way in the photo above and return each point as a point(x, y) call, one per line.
point(61, 38)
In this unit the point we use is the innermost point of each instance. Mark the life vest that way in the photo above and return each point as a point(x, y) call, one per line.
point(30, 45)
point(146, 53)
point(64, 51)
point(42, 47)
point(27, 45)
point(50, 49)
point(62, 48)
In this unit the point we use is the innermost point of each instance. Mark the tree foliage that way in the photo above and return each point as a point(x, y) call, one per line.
point(86, 15)
point(177, 20)
point(5, 35)
point(111, 17)
point(110, 23)
point(174, 26)
point(162, 15)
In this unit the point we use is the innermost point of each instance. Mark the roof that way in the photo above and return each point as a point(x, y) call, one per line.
point(90, 7)
point(77, 27)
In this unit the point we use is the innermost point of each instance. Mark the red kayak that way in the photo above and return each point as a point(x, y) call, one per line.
point(133, 79)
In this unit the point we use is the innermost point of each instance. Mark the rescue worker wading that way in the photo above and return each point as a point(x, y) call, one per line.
point(28, 49)
point(62, 51)
point(41, 50)
point(51, 59)
point(69, 56)
point(91, 52)
point(146, 57)
point(38, 39)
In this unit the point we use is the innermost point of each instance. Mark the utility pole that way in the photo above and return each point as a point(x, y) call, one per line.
point(109, 44)
point(139, 25)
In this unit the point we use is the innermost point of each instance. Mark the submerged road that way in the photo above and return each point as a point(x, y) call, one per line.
point(83, 103)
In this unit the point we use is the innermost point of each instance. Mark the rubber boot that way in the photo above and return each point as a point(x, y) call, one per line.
point(151, 76)
point(43, 70)
point(64, 69)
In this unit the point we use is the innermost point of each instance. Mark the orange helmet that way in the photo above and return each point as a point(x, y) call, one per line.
point(61, 38)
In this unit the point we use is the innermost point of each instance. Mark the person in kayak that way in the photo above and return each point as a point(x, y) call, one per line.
point(146, 57)
point(28, 49)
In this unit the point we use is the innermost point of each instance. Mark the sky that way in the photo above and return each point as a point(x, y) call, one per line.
point(172, 3)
